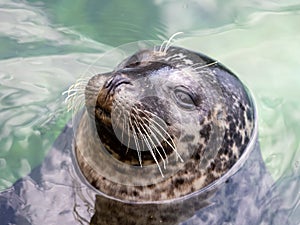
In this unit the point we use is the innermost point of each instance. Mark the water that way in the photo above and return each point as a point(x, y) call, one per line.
point(45, 46)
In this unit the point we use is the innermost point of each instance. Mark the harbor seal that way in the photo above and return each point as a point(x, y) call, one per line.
point(166, 123)
point(168, 137)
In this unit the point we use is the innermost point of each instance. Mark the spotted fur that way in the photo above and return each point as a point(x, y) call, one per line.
point(223, 112)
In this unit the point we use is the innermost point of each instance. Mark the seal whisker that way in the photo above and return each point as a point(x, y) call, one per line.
point(74, 90)
point(74, 100)
point(136, 142)
point(125, 123)
point(204, 66)
point(155, 147)
point(171, 39)
point(151, 150)
point(162, 46)
point(76, 94)
point(78, 105)
point(156, 139)
point(128, 139)
point(143, 125)
point(122, 109)
point(123, 129)
point(166, 44)
point(151, 121)
point(69, 96)
point(172, 144)
point(119, 109)
point(154, 157)
point(163, 149)
point(83, 79)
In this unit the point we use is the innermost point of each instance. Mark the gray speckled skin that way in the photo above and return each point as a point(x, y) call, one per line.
point(56, 193)
point(223, 111)
point(236, 201)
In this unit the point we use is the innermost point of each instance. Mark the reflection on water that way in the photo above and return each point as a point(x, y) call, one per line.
point(45, 46)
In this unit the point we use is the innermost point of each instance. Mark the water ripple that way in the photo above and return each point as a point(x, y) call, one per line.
point(32, 109)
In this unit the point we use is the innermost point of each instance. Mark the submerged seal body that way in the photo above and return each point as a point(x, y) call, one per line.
point(168, 136)
point(169, 123)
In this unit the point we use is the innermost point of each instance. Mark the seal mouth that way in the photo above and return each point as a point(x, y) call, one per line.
point(103, 116)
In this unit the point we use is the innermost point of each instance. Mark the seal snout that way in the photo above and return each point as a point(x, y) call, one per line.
point(115, 81)
point(105, 97)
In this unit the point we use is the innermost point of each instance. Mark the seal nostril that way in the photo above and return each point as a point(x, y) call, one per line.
point(116, 81)
point(134, 64)
point(108, 82)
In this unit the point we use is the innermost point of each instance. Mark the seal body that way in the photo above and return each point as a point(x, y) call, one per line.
point(168, 137)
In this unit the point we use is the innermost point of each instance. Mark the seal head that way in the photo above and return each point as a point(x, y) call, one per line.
point(162, 125)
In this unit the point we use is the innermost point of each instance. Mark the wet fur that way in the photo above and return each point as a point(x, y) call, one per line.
point(234, 116)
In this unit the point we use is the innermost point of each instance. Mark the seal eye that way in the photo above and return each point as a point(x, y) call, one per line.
point(184, 98)
point(133, 64)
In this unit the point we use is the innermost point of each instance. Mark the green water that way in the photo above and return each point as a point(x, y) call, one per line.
point(46, 45)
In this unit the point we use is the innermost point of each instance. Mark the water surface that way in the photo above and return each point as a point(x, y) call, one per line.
point(46, 45)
